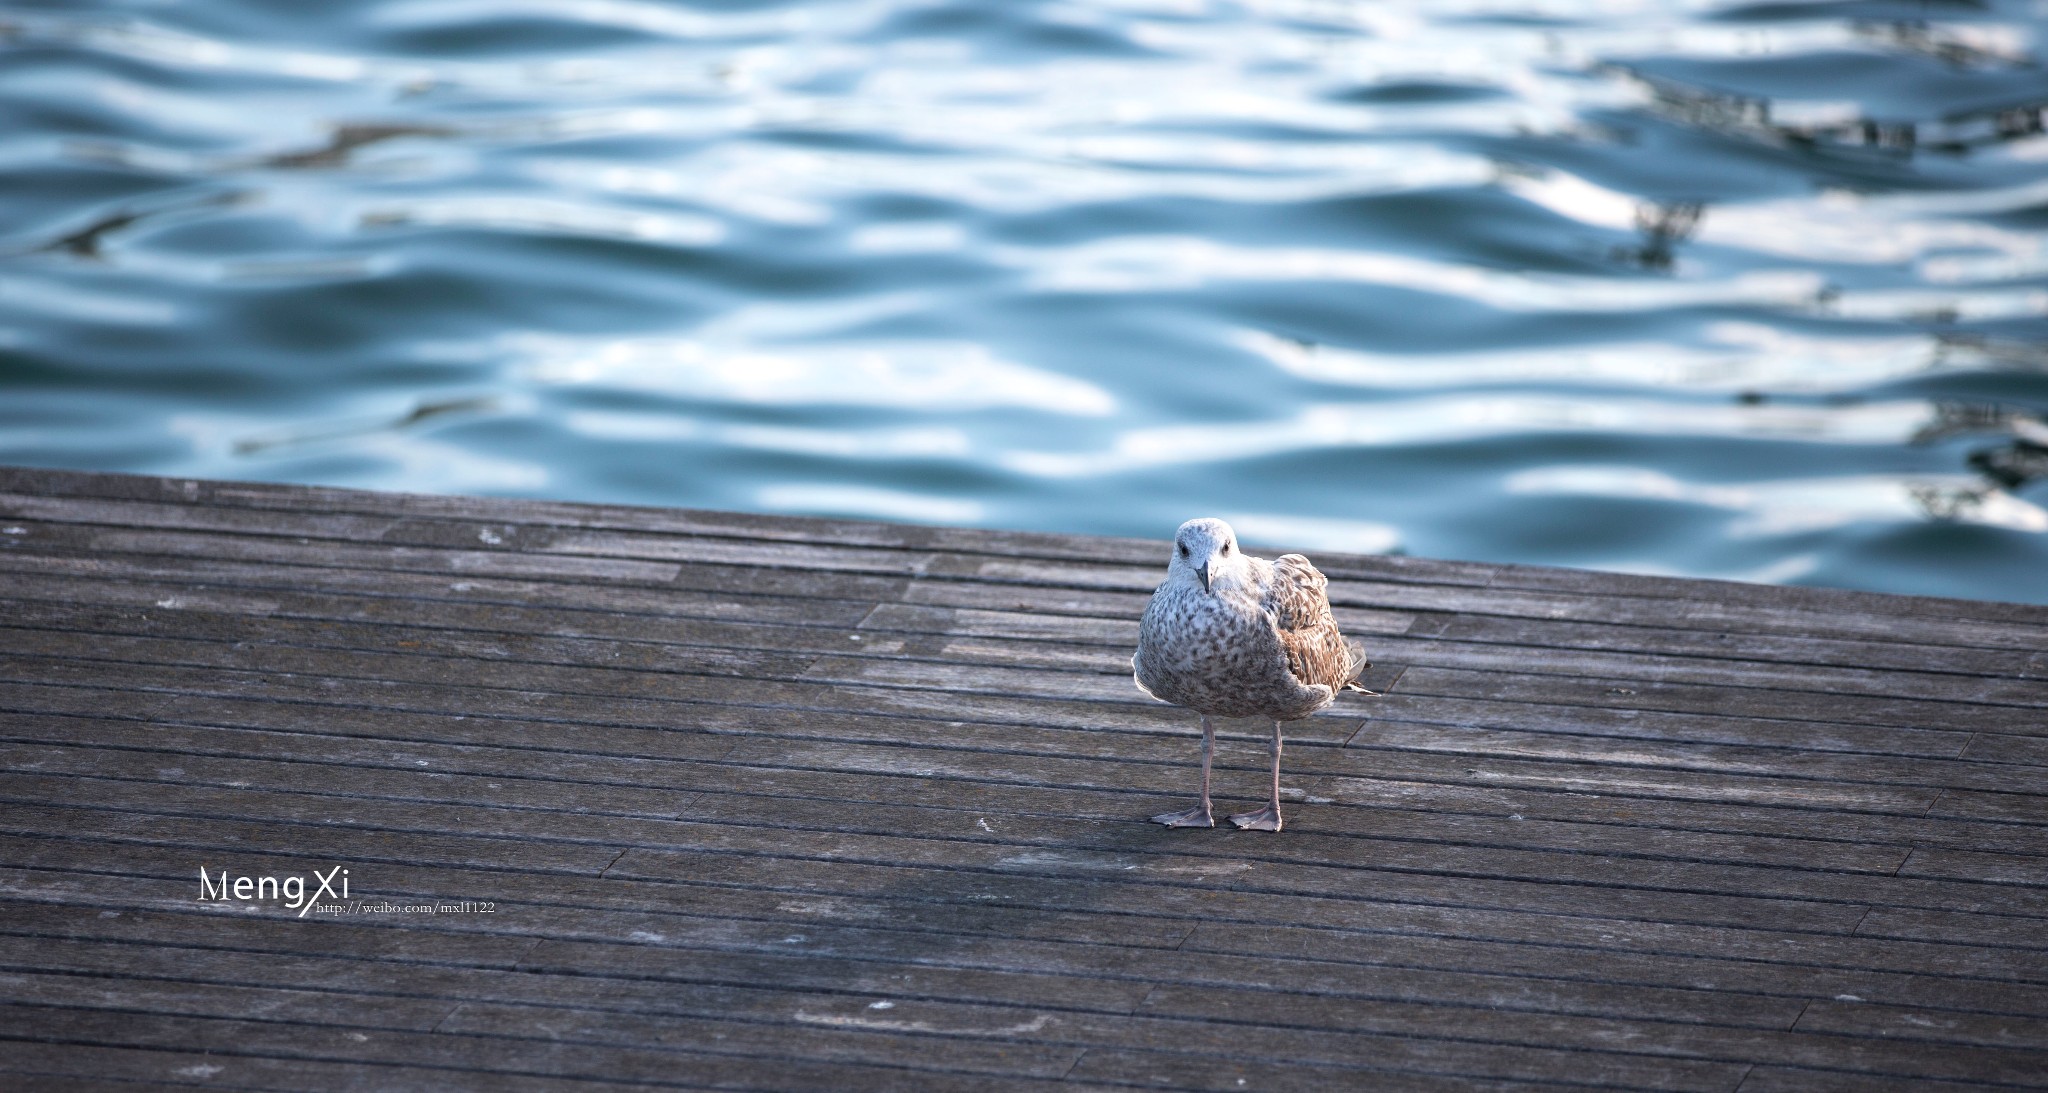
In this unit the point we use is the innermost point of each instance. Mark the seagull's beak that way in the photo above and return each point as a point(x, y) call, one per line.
point(1204, 574)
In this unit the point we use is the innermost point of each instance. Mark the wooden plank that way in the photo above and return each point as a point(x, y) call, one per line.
point(2017, 807)
point(1581, 583)
point(1927, 1057)
point(1067, 1026)
point(608, 625)
point(1511, 879)
point(1160, 1070)
point(1573, 662)
point(2025, 870)
point(158, 939)
point(1200, 973)
point(353, 985)
point(1935, 977)
point(862, 881)
point(1909, 1023)
point(164, 938)
point(70, 484)
point(707, 646)
point(67, 1064)
point(444, 778)
point(523, 690)
point(1703, 610)
point(1737, 645)
point(1121, 609)
point(762, 973)
point(298, 498)
point(1945, 689)
point(204, 839)
point(1938, 620)
point(1623, 717)
point(735, 779)
point(378, 825)
point(1349, 1054)
point(1996, 748)
point(241, 1071)
point(2013, 931)
point(662, 698)
point(1710, 697)
point(1778, 1079)
point(1830, 600)
point(1382, 734)
point(636, 913)
point(108, 984)
point(743, 1065)
point(370, 594)
point(771, 671)
point(1489, 812)
point(953, 750)
point(873, 897)
point(430, 772)
point(1408, 736)
point(1414, 709)
point(1940, 688)
point(349, 553)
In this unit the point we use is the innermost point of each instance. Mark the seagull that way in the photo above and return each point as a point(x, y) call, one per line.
point(1229, 635)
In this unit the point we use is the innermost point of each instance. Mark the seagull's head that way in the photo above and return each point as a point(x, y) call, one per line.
point(1205, 549)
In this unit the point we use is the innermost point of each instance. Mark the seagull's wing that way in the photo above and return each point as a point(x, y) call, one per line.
point(1298, 600)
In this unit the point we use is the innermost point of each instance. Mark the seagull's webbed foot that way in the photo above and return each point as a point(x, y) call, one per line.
point(1265, 819)
point(1198, 816)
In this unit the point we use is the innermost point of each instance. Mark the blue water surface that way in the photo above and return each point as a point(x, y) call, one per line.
point(1746, 290)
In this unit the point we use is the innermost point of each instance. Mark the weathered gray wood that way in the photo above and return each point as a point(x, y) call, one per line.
point(370, 829)
point(570, 1000)
point(1432, 684)
point(1567, 733)
point(1928, 1057)
point(1357, 778)
point(1489, 813)
point(1909, 1024)
point(1776, 1079)
point(1113, 660)
point(1645, 899)
point(632, 728)
point(288, 499)
point(1709, 696)
point(732, 780)
point(711, 1065)
point(388, 673)
point(422, 773)
point(65, 1064)
point(1990, 626)
point(529, 989)
point(1110, 621)
point(636, 913)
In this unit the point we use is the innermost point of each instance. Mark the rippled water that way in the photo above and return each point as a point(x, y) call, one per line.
point(1744, 290)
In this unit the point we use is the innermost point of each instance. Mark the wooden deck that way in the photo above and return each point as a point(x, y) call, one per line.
point(706, 800)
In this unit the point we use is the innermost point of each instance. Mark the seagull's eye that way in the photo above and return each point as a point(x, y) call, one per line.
point(1226, 548)
point(1183, 550)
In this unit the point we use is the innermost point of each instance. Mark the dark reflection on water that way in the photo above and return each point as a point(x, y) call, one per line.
point(1744, 290)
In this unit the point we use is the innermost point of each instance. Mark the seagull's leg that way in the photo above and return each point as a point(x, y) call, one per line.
point(1198, 816)
point(1267, 818)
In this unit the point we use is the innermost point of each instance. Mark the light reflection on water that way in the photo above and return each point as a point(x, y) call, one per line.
point(1757, 291)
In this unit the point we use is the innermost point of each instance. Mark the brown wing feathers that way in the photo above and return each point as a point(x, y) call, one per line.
point(1300, 604)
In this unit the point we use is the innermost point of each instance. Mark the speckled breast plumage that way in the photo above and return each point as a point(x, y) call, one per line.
point(1219, 654)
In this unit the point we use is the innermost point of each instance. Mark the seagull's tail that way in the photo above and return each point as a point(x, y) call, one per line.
point(1358, 666)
